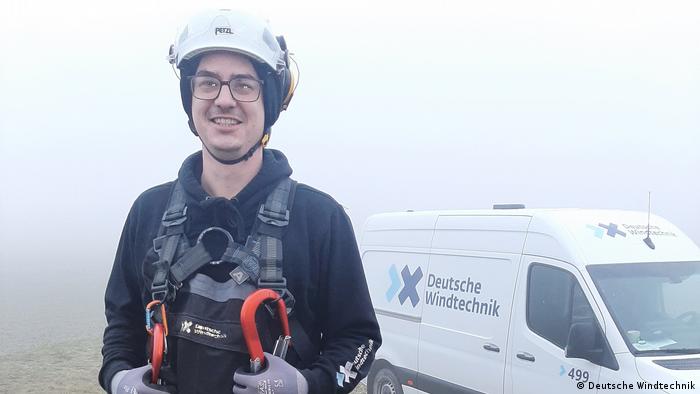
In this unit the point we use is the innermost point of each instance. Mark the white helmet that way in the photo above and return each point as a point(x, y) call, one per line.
point(235, 31)
point(229, 31)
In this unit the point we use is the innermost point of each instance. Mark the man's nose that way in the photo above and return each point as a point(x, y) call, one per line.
point(225, 98)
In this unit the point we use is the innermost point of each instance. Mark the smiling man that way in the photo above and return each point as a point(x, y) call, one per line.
point(233, 222)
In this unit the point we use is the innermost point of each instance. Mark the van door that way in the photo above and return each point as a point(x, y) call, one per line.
point(468, 295)
point(549, 299)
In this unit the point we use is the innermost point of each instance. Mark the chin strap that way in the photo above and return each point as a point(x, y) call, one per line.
point(262, 142)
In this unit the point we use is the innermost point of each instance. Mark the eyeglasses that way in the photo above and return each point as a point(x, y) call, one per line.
point(243, 89)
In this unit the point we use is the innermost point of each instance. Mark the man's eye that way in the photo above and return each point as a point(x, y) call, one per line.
point(208, 84)
point(245, 85)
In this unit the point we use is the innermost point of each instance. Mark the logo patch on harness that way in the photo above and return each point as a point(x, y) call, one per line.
point(190, 327)
point(410, 282)
point(238, 275)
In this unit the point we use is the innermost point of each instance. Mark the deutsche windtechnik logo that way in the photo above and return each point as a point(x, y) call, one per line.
point(611, 230)
point(410, 282)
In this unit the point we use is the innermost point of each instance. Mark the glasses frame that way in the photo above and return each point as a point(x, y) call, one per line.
point(227, 83)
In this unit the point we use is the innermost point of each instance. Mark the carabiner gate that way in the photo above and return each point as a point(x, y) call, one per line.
point(250, 329)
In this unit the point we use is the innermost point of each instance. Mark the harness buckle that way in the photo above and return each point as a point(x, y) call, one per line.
point(174, 218)
point(273, 218)
point(280, 287)
point(159, 292)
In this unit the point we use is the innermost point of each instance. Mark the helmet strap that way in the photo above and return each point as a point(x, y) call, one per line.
point(261, 142)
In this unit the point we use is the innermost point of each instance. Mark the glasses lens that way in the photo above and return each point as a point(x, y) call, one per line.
point(205, 88)
point(245, 89)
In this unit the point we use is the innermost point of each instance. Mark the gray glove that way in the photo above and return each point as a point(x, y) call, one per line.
point(277, 378)
point(138, 381)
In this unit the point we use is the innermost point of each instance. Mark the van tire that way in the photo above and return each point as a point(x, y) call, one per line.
point(384, 381)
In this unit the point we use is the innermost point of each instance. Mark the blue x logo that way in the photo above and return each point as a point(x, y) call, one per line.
point(612, 230)
point(410, 283)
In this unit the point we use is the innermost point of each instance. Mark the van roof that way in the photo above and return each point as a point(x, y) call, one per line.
point(579, 236)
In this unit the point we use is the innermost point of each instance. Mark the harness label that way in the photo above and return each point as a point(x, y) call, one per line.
point(208, 331)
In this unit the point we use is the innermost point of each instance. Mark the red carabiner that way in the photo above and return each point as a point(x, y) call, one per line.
point(157, 350)
point(158, 333)
point(250, 329)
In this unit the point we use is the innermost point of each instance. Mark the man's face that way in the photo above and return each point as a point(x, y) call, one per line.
point(227, 127)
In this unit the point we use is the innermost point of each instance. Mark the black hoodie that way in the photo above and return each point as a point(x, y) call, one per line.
point(321, 263)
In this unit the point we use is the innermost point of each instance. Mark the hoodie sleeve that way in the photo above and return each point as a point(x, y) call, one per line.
point(124, 338)
point(350, 332)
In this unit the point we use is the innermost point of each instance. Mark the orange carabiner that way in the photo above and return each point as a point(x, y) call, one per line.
point(250, 329)
point(158, 332)
point(157, 351)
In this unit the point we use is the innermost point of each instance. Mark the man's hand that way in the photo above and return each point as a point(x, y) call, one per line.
point(277, 378)
point(138, 381)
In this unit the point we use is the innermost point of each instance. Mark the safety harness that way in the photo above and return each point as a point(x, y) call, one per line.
point(258, 261)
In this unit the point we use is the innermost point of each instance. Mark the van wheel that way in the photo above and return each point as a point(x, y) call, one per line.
point(385, 382)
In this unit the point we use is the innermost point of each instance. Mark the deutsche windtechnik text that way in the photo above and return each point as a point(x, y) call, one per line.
point(457, 302)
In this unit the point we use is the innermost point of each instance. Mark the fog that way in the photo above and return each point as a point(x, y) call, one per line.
point(401, 105)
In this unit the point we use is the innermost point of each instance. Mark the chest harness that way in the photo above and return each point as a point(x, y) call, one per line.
point(258, 265)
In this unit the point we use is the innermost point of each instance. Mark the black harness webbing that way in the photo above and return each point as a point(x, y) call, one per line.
point(259, 260)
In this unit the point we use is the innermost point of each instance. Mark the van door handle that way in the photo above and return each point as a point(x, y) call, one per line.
point(525, 356)
point(492, 348)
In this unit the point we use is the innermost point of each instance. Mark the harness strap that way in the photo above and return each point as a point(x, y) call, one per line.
point(190, 262)
point(272, 223)
point(269, 229)
point(170, 239)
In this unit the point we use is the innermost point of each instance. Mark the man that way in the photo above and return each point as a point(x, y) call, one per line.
point(233, 222)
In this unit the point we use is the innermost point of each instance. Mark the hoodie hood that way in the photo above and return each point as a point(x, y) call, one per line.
point(238, 213)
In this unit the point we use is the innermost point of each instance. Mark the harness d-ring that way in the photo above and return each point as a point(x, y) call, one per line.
point(250, 329)
point(212, 230)
point(158, 332)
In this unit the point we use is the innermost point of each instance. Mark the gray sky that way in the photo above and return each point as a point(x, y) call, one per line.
point(401, 105)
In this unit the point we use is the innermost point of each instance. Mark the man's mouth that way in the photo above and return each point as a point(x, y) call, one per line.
point(225, 121)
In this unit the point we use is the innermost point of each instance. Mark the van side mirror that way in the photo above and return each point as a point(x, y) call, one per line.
point(584, 342)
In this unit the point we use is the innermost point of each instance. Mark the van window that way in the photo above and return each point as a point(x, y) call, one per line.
point(555, 301)
point(654, 305)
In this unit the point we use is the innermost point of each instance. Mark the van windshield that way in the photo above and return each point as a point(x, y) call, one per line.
point(656, 306)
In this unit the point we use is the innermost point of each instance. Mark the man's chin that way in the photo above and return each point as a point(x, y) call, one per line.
point(226, 153)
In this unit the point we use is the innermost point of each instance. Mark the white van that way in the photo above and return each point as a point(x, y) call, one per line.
point(533, 301)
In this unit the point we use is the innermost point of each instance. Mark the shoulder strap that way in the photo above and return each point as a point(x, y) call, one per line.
point(271, 225)
point(170, 238)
